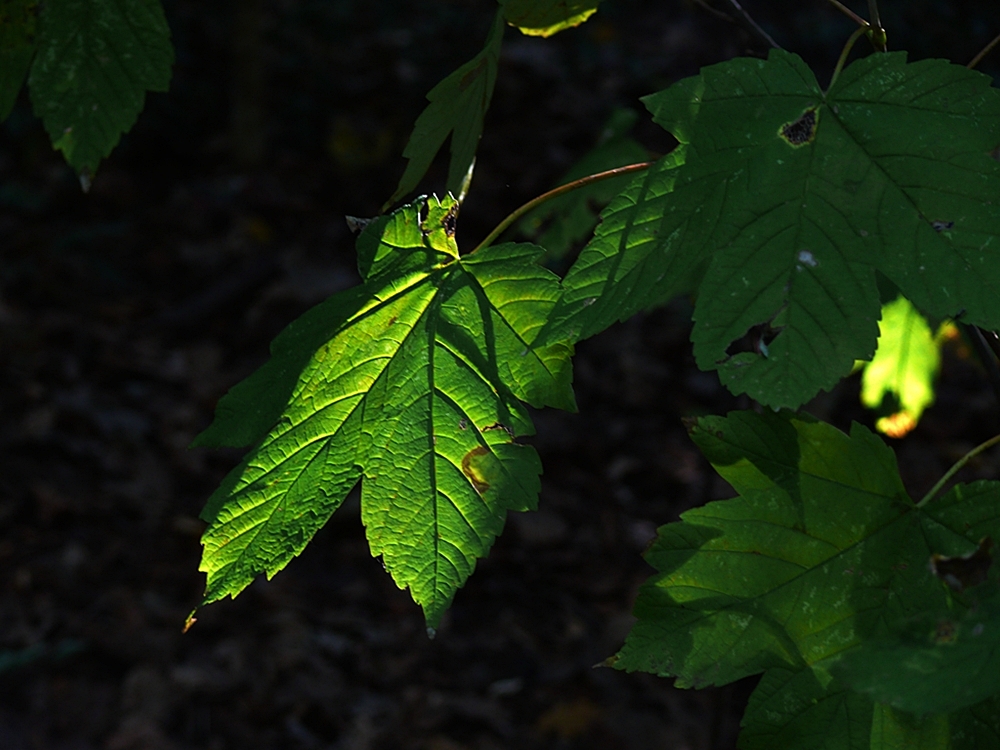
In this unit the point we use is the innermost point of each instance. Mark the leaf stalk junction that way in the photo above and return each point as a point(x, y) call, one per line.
point(954, 469)
point(555, 193)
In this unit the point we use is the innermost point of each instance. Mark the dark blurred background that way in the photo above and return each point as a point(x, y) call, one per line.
point(127, 312)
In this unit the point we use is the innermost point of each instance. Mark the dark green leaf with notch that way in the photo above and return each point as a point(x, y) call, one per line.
point(788, 201)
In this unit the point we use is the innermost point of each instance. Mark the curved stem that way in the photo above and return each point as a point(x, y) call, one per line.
point(958, 465)
point(847, 50)
point(849, 13)
point(561, 190)
point(983, 52)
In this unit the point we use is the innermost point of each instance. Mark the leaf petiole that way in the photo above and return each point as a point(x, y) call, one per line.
point(983, 52)
point(866, 29)
point(954, 469)
point(555, 193)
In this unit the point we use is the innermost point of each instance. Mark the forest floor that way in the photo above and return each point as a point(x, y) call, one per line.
point(126, 313)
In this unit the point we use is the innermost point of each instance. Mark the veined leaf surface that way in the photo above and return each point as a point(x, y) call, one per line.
point(413, 382)
point(819, 551)
point(787, 202)
point(94, 65)
point(457, 107)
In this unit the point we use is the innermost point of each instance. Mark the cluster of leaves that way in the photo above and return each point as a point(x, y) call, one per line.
point(796, 218)
point(874, 619)
point(777, 211)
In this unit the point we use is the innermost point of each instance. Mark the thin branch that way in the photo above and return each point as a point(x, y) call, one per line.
point(849, 13)
point(983, 52)
point(555, 193)
point(954, 469)
point(752, 26)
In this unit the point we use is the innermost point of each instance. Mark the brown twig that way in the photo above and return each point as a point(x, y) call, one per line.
point(983, 52)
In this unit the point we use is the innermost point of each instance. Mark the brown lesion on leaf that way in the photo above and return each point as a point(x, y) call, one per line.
point(801, 131)
point(471, 472)
point(499, 426)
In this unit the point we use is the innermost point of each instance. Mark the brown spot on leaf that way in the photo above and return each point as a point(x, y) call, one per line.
point(472, 473)
point(802, 130)
point(499, 426)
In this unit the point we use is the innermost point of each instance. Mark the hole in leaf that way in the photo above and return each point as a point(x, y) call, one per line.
point(802, 130)
point(964, 571)
point(451, 221)
point(940, 226)
point(756, 340)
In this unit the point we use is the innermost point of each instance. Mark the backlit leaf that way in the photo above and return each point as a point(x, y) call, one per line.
point(903, 368)
point(547, 17)
point(818, 552)
point(94, 65)
point(789, 200)
point(415, 383)
point(457, 107)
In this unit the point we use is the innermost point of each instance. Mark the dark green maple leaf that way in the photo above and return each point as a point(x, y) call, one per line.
point(94, 64)
point(784, 200)
point(821, 549)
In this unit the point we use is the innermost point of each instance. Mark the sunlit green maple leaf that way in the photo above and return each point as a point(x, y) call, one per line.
point(547, 17)
point(457, 108)
point(784, 202)
point(414, 382)
point(821, 550)
point(94, 64)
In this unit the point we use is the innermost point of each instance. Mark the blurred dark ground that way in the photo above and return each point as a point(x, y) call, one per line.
point(126, 313)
